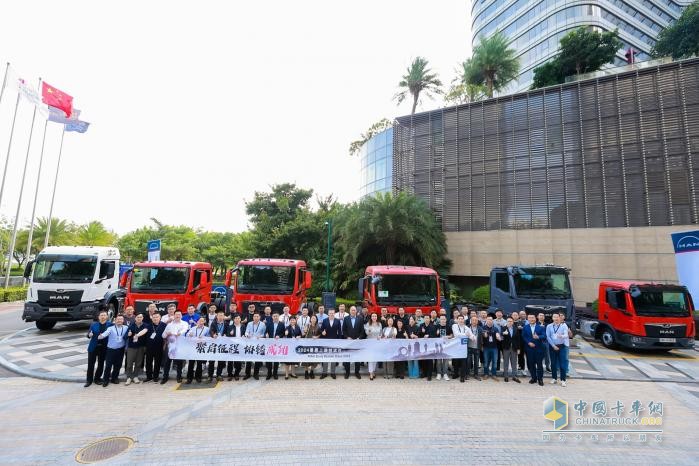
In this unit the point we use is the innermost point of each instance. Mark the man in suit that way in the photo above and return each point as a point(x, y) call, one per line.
point(511, 344)
point(154, 349)
point(116, 336)
point(235, 330)
point(275, 330)
point(267, 317)
point(96, 349)
point(330, 329)
point(534, 337)
point(254, 329)
point(218, 328)
point(353, 329)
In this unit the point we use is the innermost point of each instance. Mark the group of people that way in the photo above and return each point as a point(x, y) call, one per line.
point(139, 341)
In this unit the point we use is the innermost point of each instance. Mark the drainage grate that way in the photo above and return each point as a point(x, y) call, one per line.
point(103, 449)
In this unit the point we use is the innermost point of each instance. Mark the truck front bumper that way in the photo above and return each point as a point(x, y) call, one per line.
point(34, 311)
point(633, 341)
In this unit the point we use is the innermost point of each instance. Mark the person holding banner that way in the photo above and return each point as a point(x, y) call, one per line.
point(388, 332)
point(413, 365)
point(198, 331)
point(254, 329)
point(353, 329)
point(373, 331)
point(174, 329)
point(236, 330)
point(474, 348)
point(312, 330)
point(401, 333)
point(427, 330)
point(292, 331)
point(154, 349)
point(218, 328)
point(445, 332)
point(331, 330)
point(461, 330)
point(274, 330)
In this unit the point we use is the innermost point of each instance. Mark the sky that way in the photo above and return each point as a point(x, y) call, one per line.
point(194, 106)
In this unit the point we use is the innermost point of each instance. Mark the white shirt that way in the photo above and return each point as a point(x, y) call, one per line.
point(285, 318)
point(166, 318)
point(174, 329)
point(303, 321)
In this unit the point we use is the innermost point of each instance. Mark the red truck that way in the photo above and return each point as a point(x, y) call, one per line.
point(269, 282)
point(394, 286)
point(642, 315)
point(169, 282)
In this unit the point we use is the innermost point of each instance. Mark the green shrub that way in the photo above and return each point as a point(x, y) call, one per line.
point(481, 294)
point(595, 305)
point(15, 293)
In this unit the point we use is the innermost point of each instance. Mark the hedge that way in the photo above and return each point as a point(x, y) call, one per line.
point(14, 293)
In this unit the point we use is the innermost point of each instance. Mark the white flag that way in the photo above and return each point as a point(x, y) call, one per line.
point(27, 92)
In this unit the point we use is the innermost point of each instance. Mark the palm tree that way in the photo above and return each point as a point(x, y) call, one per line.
point(387, 229)
point(62, 232)
point(94, 234)
point(418, 78)
point(493, 64)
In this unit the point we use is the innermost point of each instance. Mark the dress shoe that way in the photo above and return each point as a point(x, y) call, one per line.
point(230, 377)
point(358, 376)
point(429, 378)
point(87, 384)
point(478, 378)
point(541, 382)
point(115, 381)
point(188, 381)
point(313, 376)
point(333, 376)
point(276, 377)
point(246, 377)
point(148, 379)
point(98, 381)
point(269, 376)
point(306, 376)
point(322, 376)
point(219, 378)
point(198, 380)
point(532, 381)
point(462, 379)
point(256, 377)
point(179, 379)
point(516, 380)
point(164, 381)
point(506, 379)
point(209, 380)
point(236, 378)
point(346, 376)
point(105, 383)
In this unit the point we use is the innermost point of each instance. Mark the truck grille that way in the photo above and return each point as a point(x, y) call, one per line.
point(260, 306)
point(141, 306)
point(548, 311)
point(62, 298)
point(666, 331)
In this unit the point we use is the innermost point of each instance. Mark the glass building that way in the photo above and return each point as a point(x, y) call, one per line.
point(376, 158)
point(535, 28)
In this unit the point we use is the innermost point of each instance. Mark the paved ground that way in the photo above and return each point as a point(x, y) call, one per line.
point(334, 421)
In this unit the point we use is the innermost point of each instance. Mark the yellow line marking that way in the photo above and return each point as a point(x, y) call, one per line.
point(679, 357)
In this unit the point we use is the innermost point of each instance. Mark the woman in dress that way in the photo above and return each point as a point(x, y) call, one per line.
point(373, 330)
point(312, 330)
point(388, 332)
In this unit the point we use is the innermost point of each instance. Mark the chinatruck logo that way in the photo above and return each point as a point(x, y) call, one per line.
point(597, 420)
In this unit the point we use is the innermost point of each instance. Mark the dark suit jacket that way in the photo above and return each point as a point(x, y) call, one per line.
point(269, 330)
point(231, 330)
point(355, 332)
point(513, 339)
point(294, 331)
point(331, 332)
point(95, 329)
point(527, 336)
point(213, 329)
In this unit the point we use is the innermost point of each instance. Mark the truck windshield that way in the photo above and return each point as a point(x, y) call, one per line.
point(542, 282)
point(159, 279)
point(656, 302)
point(62, 268)
point(266, 279)
point(407, 289)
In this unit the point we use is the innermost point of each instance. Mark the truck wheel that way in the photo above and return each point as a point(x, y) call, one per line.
point(45, 324)
point(111, 311)
point(608, 339)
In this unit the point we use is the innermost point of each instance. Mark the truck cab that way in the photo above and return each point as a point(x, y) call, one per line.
point(69, 283)
point(169, 282)
point(269, 282)
point(645, 315)
point(534, 289)
point(394, 286)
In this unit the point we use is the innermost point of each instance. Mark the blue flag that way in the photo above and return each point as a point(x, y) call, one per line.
point(77, 125)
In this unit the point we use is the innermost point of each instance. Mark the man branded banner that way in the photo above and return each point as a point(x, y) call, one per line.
point(154, 250)
point(687, 260)
point(315, 350)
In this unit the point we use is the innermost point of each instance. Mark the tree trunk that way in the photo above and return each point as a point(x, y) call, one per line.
point(415, 96)
point(489, 85)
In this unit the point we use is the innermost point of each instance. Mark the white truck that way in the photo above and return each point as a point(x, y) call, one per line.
point(70, 283)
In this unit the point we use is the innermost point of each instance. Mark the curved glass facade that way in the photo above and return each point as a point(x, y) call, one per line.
point(376, 158)
point(534, 28)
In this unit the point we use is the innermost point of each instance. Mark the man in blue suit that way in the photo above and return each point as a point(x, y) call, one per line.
point(96, 349)
point(534, 336)
point(330, 329)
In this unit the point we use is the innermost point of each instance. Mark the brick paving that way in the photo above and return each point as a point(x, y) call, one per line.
point(331, 421)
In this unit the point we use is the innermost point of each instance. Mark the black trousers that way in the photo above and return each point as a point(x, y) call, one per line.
point(401, 367)
point(272, 368)
point(428, 366)
point(535, 362)
point(191, 372)
point(97, 355)
point(499, 358)
point(347, 367)
point(474, 355)
point(112, 365)
point(248, 368)
point(234, 364)
point(154, 359)
point(460, 367)
point(179, 363)
point(219, 368)
point(520, 359)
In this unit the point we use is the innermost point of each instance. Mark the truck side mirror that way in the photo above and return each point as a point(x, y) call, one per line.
point(28, 270)
point(307, 279)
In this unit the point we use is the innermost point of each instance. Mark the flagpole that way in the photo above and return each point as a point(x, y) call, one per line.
point(36, 192)
point(55, 182)
point(9, 147)
point(4, 81)
point(19, 201)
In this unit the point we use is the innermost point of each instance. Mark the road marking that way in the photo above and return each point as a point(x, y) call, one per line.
point(632, 356)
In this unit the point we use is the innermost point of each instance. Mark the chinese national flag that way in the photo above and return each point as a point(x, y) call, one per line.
point(55, 98)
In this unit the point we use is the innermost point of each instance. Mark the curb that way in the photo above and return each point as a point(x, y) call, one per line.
point(27, 373)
